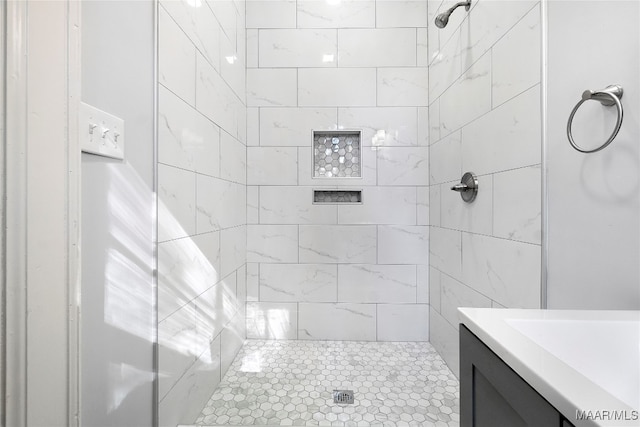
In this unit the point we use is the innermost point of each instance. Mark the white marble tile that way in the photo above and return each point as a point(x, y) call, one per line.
point(496, 305)
point(346, 14)
point(233, 155)
point(184, 272)
point(375, 207)
point(176, 203)
point(338, 244)
point(435, 204)
point(199, 25)
point(422, 201)
point(272, 320)
point(517, 207)
point(215, 99)
point(403, 166)
point(176, 347)
point(403, 86)
point(399, 125)
point(233, 66)
point(272, 87)
point(468, 98)
point(298, 48)
point(435, 279)
point(233, 249)
point(504, 270)
point(241, 288)
point(341, 322)
point(455, 294)
point(293, 127)
point(214, 308)
point(403, 244)
point(445, 66)
point(242, 120)
point(176, 59)
point(487, 23)
point(209, 246)
point(272, 166)
point(227, 14)
point(253, 272)
point(403, 322)
point(271, 14)
point(434, 122)
point(433, 36)
point(272, 243)
point(231, 341)
point(423, 126)
point(446, 159)
point(445, 251)
point(306, 170)
point(252, 48)
point(422, 283)
point(444, 339)
point(399, 13)
point(293, 205)
point(389, 47)
point(253, 204)
point(220, 204)
point(342, 87)
point(422, 51)
point(362, 283)
point(181, 12)
point(489, 145)
point(298, 282)
point(253, 126)
point(185, 400)
point(510, 77)
point(207, 35)
point(475, 217)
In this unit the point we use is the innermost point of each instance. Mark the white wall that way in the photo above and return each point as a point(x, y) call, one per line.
point(594, 199)
point(117, 219)
point(484, 116)
point(201, 200)
point(337, 272)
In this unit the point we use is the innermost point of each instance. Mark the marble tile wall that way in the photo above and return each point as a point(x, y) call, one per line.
point(337, 272)
point(202, 213)
point(484, 117)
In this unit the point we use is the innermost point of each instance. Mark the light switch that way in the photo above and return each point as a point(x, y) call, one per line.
point(101, 133)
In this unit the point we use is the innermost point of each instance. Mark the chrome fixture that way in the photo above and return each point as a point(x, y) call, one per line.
point(608, 97)
point(443, 18)
point(468, 187)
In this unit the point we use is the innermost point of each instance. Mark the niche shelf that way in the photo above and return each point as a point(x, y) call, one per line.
point(337, 196)
point(337, 154)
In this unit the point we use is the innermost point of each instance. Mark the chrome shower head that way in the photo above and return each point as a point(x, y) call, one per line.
point(442, 20)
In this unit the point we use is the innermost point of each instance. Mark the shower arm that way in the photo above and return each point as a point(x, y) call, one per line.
point(466, 4)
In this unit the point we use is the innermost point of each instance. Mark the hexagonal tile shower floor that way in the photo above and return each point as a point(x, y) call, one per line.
point(292, 383)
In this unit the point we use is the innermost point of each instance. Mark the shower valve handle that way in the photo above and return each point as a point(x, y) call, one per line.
point(461, 187)
point(467, 187)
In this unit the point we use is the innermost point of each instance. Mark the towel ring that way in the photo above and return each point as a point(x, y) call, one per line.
point(608, 97)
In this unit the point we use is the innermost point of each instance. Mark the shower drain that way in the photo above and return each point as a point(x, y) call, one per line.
point(343, 396)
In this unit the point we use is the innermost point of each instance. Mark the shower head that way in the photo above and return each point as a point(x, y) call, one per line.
point(442, 19)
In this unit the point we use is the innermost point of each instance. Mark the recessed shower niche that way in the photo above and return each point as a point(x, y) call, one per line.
point(337, 154)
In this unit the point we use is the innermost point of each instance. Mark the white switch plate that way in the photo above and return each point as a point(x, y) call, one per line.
point(101, 133)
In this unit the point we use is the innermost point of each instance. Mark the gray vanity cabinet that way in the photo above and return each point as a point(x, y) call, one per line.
point(493, 395)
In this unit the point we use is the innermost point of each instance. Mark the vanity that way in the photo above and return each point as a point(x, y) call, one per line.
point(549, 368)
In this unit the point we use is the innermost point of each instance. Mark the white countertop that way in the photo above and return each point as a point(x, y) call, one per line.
point(578, 360)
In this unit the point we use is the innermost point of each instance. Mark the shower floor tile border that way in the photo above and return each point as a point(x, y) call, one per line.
point(278, 383)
